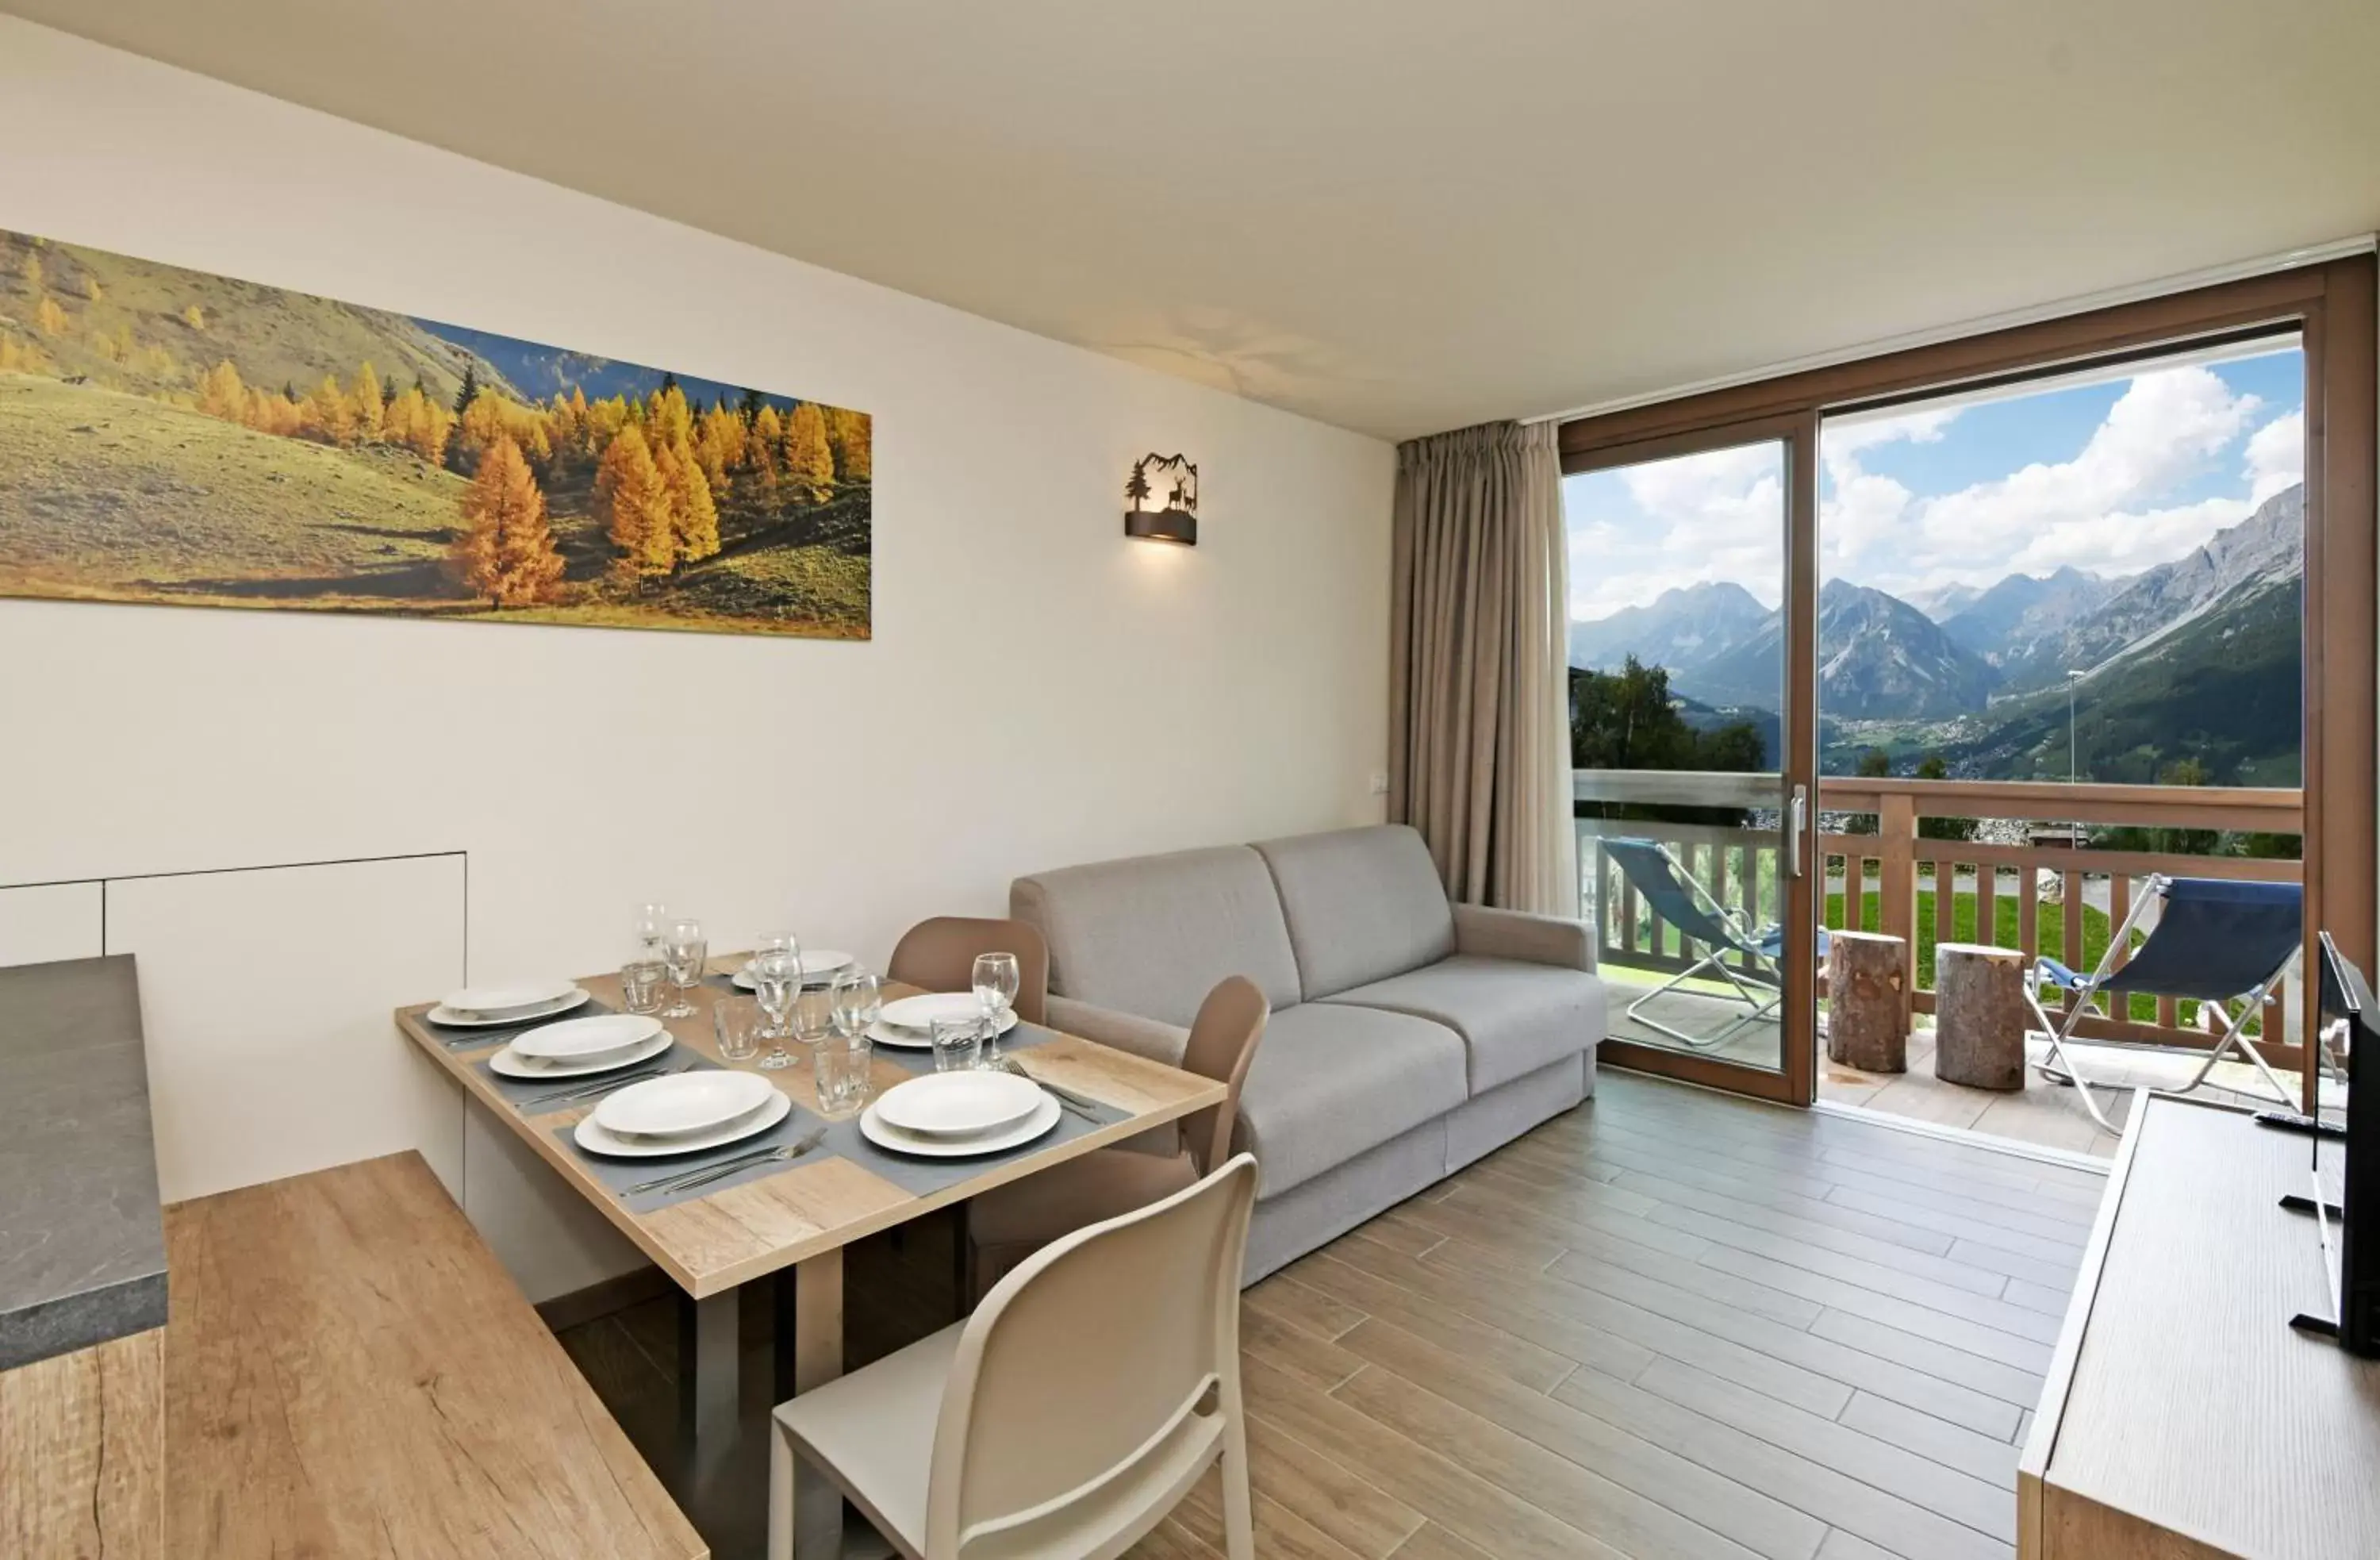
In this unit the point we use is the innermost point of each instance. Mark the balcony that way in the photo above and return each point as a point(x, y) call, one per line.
point(2030, 882)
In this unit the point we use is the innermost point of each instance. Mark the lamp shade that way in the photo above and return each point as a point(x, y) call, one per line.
point(1171, 515)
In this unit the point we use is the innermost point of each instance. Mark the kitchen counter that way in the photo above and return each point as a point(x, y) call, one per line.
point(82, 1241)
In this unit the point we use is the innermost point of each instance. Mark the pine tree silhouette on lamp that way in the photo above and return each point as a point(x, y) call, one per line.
point(1171, 515)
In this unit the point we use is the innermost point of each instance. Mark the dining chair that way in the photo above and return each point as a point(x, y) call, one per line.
point(939, 955)
point(1092, 1388)
point(1010, 1223)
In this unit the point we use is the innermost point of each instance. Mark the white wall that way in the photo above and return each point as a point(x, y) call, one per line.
point(1038, 690)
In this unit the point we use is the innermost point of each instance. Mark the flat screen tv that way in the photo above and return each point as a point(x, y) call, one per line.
point(2347, 999)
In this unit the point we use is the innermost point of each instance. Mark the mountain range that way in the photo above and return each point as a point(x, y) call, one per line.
point(2224, 616)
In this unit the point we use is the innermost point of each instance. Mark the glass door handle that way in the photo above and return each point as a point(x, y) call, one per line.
point(1797, 819)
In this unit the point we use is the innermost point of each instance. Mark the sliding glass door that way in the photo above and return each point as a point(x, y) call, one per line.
point(1693, 762)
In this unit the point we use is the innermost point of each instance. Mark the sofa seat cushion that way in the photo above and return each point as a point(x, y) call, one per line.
point(1330, 1080)
point(1514, 1018)
point(1362, 905)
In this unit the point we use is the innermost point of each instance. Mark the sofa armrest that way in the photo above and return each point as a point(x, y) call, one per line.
point(1127, 1032)
point(1157, 1040)
point(1515, 935)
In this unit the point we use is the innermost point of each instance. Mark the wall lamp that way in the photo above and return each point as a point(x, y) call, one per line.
point(1171, 515)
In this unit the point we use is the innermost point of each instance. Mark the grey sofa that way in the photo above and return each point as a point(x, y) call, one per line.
point(1409, 1036)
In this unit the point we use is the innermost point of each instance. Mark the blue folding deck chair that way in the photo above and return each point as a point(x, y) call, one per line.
point(1678, 899)
point(2215, 941)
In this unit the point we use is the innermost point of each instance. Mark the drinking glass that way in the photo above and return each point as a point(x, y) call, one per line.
point(736, 1021)
point(776, 981)
point(685, 951)
point(958, 1044)
point(996, 980)
point(813, 1013)
point(858, 998)
point(652, 930)
point(640, 984)
point(843, 1075)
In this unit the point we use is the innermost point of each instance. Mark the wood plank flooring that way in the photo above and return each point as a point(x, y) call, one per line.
point(1669, 1323)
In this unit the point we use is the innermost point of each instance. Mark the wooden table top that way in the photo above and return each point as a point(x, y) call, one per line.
point(349, 1371)
point(818, 1204)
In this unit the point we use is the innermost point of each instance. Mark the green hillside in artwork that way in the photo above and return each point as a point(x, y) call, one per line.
point(169, 436)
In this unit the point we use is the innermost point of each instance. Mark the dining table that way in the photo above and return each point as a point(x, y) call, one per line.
point(788, 1223)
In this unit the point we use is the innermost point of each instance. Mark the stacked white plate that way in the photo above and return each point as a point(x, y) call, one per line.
point(819, 966)
point(951, 1116)
point(519, 1001)
point(909, 1022)
point(684, 1112)
point(582, 1047)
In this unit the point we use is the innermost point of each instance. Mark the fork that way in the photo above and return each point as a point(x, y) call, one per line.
point(559, 1097)
point(1066, 1101)
point(686, 1180)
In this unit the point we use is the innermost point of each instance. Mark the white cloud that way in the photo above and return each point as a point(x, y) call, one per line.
point(1667, 524)
point(2276, 457)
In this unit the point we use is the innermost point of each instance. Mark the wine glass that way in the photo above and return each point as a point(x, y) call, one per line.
point(777, 981)
point(858, 998)
point(686, 951)
point(773, 941)
point(652, 929)
point(996, 980)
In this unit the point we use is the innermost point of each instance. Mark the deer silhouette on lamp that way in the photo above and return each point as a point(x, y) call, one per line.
point(1171, 515)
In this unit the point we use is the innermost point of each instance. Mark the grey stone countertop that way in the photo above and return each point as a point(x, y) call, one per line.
point(82, 1241)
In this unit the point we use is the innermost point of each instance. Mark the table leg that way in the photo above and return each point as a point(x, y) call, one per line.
point(708, 1402)
point(816, 1517)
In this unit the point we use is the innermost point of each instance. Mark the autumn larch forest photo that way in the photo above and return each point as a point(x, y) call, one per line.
point(172, 437)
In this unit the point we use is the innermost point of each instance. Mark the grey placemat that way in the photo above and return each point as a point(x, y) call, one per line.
point(843, 1139)
point(473, 1040)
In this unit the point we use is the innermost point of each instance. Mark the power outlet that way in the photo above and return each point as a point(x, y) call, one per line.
point(1380, 782)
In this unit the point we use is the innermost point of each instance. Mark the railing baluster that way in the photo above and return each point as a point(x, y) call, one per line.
point(1946, 910)
point(2028, 916)
point(1854, 891)
point(1987, 907)
point(2119, 905)
point(2072, 915)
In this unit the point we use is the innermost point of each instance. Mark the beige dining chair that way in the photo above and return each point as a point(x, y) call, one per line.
point(1091, 1389)
point(939, 955)
point(1009, 1224)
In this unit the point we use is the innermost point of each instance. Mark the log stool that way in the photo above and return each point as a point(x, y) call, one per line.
point(1980, 1015)
point(1867, 1021)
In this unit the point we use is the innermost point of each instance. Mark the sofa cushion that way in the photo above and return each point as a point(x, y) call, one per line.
point(1330, 1080)
point(1514, 1018)
point(1152, 935)
point(1362, 905)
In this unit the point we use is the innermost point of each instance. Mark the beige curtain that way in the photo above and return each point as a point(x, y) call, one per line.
point(1479, 697)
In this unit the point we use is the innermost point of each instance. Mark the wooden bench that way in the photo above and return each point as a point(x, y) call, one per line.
point(348, 1372)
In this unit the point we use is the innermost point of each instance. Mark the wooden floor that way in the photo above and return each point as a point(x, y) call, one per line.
point(1670, 1323)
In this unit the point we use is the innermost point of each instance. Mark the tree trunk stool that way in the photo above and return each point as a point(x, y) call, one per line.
point(1980, 1015)
point(1867, 1020)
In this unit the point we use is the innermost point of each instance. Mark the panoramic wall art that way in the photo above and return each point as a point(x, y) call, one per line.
point(171, 437)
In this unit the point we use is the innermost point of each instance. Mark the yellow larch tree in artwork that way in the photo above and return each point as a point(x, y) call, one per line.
point(810, 462)
point(643, 527)
point(507, 551)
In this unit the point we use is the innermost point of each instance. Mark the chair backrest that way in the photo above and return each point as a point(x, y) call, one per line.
point(2215, 939)
point(1222, 1042)
point(1649, 866)
point(939, 955)
point(1083, 1398)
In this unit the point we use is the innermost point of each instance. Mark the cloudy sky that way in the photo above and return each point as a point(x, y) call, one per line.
point(2113, 475)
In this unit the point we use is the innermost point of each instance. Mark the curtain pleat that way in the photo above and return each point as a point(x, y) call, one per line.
point(1479, 720)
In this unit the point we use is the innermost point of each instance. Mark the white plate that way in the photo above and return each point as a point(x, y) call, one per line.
point(959, 1104)
point(820, 967)
point(586, 1040)
point(883, 1033)
point(512, 996)
point(505, 1064)
point(447, 1018)
point(873, 1128)
point(684, 1104)
point(592, 1135)
point(919, 1012)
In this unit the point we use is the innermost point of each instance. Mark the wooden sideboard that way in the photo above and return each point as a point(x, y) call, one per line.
point(2183, 1418)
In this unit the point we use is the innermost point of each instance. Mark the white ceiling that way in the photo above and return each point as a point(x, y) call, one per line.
point(1398, 215)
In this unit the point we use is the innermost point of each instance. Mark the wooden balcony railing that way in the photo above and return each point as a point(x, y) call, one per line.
point(2065, 899)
